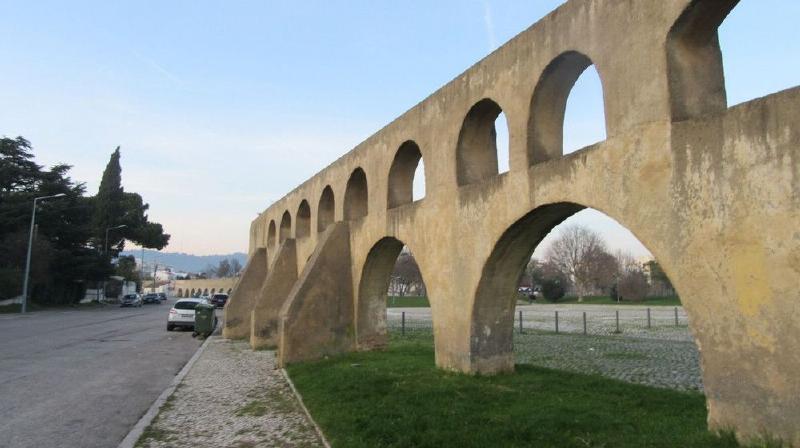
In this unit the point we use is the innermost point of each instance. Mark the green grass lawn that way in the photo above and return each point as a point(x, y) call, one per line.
point(397, 398)
point(605, 300)
point(407, 302)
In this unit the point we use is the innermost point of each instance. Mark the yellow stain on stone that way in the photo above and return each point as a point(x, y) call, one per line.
point(752, 290)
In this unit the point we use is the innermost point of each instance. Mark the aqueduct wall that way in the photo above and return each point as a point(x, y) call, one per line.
point(190, 288)
point(712, 191)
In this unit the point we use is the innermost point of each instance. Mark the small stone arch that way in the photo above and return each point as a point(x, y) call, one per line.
point(476, 152)
point(286, 227)
point(229, 291)
point(271, 234)
point(356, 196)
point(213, 291)
point(326, 209)
point(401, 174)
point(303, 220)
point(180, 292)
point(205, 292)
point(549, 103)
point(192, 292)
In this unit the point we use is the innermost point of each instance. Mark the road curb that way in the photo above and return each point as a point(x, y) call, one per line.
point(133, 436)
point(305, 409)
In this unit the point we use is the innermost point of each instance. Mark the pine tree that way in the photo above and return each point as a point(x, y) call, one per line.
point(108, 207)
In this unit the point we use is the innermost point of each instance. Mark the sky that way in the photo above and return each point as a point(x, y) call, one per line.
point(222, 107)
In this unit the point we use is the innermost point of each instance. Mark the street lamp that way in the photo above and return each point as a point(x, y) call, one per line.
point(30, 244)
point(105, 251)
point(105, 244)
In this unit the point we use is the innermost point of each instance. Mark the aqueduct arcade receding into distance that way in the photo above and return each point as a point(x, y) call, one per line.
point(714, 193)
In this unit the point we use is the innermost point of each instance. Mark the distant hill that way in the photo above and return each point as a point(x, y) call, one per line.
point(182, 262)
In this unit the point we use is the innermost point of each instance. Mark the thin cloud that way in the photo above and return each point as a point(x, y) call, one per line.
point(158, 68)
point(487, 20)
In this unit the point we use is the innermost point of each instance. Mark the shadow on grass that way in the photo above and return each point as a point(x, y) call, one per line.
point(398, 398)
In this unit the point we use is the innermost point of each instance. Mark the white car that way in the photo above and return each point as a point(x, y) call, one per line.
point(182, 313)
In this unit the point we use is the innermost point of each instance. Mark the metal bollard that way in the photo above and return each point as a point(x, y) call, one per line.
point(648, 317)
point(617, 313)
point(556, 321)
point(676, 316)
point(403, 323)
point(584, 323)
point(520, 322)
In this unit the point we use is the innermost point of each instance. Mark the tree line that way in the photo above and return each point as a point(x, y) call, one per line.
point(70, 251)
point(579, 262)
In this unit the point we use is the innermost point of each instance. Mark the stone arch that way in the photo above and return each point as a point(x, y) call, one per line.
point(325, 209)
point(476, 152)
point(286, 227)
point(372, 293)
point(229, 291)
point(694, 60)
point(356, 196)
point(549, 103)
point(205, 291)
point(401, 174)
point(180, 292)
point(192, 293)
point(213, 291)
point(271, 234)
point(492, 317)
point(303, 220)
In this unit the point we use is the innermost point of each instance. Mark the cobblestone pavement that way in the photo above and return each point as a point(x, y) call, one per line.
point(661, 363)
point(662, 354)
point(232, 397)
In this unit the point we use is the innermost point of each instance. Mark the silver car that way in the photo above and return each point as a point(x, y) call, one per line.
point(131, 300)
point(182, 313)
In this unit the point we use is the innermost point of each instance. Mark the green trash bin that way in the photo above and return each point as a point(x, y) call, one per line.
point(204, 319)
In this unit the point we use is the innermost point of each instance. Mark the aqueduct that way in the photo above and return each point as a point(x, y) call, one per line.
point(714, 192)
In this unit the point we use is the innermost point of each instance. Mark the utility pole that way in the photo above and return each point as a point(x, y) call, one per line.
point(155, 269)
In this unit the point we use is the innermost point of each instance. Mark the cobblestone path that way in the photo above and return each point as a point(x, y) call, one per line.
point(232, 397)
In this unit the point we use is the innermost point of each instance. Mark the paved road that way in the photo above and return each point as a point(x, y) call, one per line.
point(84, 378)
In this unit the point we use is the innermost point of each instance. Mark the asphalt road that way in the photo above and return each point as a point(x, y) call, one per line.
point(83, 378)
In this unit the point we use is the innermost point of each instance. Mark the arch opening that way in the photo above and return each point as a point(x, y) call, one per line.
point(390, 277)
point(303, 220)
point(403, 183)
point(564, 253)
point(286, 227)
point(476, 153)
point(694, 60)
point(549, 105)
point(356, 196)
point(325, 210)
point(271, 234)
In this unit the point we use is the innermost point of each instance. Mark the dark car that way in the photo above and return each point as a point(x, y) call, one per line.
point(162, 297)
point(219, 300)
point(130, 300)
point(151, 298)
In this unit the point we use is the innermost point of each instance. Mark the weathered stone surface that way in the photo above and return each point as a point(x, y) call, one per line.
point(243, 297)
point(273, 294)
point(713, 192)
point(317, 318)
point(190, 288)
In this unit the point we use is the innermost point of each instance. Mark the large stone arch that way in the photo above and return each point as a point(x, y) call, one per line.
point(476, 151)
point(548, 105)
point(401, 174)
point(356, 196)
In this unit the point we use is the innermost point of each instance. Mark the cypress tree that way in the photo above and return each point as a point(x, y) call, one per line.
point(108, 207)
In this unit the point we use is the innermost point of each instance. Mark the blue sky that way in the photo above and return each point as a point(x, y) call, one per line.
point(222, 107)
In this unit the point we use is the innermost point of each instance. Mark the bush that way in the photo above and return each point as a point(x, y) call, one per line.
point(633, 286)
point(553, 289)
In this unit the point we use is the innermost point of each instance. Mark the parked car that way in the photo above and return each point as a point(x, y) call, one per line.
point(182, 314)
point(162, 297)
point(219, 300)
point(131, 300)
point(151, 298)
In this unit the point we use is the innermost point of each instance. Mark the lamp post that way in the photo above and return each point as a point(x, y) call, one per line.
point(105, 251)
point(30, 245)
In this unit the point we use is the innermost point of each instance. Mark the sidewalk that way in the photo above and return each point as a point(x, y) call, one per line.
point(232, 397)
